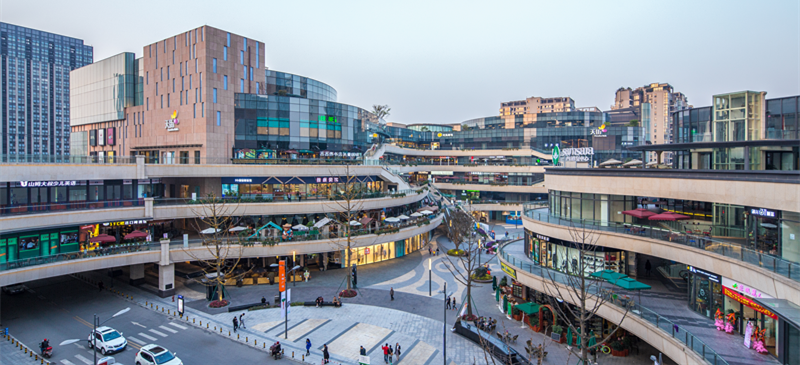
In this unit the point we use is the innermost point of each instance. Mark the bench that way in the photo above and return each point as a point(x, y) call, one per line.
point(314, 304)
point(496, 347)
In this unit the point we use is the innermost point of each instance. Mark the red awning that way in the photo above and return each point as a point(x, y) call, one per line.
point(291, 152)
point(103, 238)
point(668, 216)
point(135, 234)
point(639, 213)
point(366, 220)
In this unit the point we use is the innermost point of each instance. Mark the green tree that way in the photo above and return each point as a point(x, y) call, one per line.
point(633, 123)
point(381, 111)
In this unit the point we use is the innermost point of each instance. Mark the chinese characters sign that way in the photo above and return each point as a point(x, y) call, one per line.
point(33, 184)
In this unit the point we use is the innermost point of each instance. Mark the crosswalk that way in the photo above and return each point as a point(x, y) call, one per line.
point(151, 335)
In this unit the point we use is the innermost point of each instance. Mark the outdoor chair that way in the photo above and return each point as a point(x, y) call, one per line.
point(499, 335)
point(514, 339)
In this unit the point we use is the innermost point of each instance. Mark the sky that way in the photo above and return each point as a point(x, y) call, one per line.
point(451, 61)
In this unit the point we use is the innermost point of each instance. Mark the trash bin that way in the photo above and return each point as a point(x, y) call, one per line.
point(277, 300)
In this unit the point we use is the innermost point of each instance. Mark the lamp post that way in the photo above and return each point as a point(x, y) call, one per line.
point(286, 305)
point(95, 324)
point(430, 276)
point(444, 322)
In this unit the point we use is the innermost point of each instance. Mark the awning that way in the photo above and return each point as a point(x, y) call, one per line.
point(639, 213)
point(209, 231)
point(300, 227)
point(237, 229)
point(322, 222)
point(366, 220)
point(608, 275)
point(103, 238)
point(668, 216)
point(306, 151)
point(629, 284)
point(780, 307)
point(290, 151)
point(135, 235)
point(528, 308)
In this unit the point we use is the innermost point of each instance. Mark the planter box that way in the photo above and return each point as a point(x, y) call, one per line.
point(536, 328)
point(517, 317)
point(247, 281)
point(263, 281)
point(621, 353)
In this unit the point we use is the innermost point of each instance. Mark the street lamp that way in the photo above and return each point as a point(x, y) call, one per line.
point(444, 321)
point(430, 276)
point(286, 306)
point(94, 329)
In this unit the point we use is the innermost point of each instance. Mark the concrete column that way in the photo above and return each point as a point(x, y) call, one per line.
point(166, 280)
point(148, 207)
point(137, 274)
point(644, 159)
point(746, 158)
point(140, 170)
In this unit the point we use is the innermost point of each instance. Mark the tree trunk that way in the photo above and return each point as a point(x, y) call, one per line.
point(349, 259)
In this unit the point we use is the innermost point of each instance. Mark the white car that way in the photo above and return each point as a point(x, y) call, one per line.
point(108, 340)
point(156, 355)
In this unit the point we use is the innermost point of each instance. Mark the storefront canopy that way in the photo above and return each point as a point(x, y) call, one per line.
point(135, 234)
point(608, 275)
point(103, 238)
point(322, 222)
point(668, 216)
point(528, 308)
point(639, 213)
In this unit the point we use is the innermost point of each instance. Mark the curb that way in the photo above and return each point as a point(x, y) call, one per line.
point(22, 347)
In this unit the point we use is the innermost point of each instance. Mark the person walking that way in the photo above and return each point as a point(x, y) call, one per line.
point(454, 304)
point(391, 352)
point(235, 324)
point(385, 349)
point(397, 350)
point(647, 268)
point(308, 347)
point(263, 301)
point(362, 351)
point(241, 321)
point(325, 355)
point(448, 303)
point(391, 293)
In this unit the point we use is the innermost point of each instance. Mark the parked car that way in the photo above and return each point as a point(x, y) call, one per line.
point(14, 289)
point(156, 355)
point(108, 340)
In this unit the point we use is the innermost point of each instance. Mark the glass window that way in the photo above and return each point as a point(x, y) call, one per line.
point(225, 82)
point(225, 53)
point(214, 65)
point(241, 85)
point(215, 95)
point(219, 118)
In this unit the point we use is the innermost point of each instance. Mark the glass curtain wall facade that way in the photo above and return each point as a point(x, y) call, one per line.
point(737, 116)
point(286, 84)
point(35, 102)
point(101, 91)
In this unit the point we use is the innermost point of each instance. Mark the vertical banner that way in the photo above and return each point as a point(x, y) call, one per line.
point(283, 305)
point(288, 300)
point(282, 276)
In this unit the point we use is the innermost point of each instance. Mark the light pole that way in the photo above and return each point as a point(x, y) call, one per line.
point(94, 330)
point(444, 322)
point(430, 276)
point(286, 305)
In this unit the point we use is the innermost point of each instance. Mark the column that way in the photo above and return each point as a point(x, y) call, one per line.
point(166, 280)
point(746, 158)
point(137, 274)
point(644, 159)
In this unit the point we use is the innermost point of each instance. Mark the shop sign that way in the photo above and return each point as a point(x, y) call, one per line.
point(744, 289)
point(442, 173)
point(509, 270)
point(325, 180)
point(339, 154)
point(543, 238)
point(243, 180)
point(582, 154)
point(748, 302)
point(32, 184)
point(600, 131)
point(713, 277)
point(171, 124)
point(125, 223)
point(556, 155)
point(445, 134)
point(762, 212)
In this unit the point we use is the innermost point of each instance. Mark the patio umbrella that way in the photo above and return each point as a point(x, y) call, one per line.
point(528, 308)
point(104, 238)
point(639, 213)
point(355, 223)
point(322, 222)
point(569, 335)
point(668, 216)
point(135, 234)
point(300, 227)
point(426, 212)
point(608, 275)
point(497, 294)
point(631, 284)
point(610, 162)
point(632, 163)
point(403, 217)
point(417, 215)
point(392, 220)
point(592, 340)
point(209, 231)
point(237, 229)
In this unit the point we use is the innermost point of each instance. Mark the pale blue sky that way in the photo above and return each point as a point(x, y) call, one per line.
point(446, 62)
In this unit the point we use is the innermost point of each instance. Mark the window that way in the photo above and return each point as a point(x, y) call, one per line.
point(147, 78)
point(162, 73)
point(162, 101)
point(180, 69)
point(167, 100)
point(190, 81)
point(197, 157)
point(148, 103)
point(225, 82)
point(219, 118)
point(256, 54)
point(258, 85)
point(156, 89)
point(215, 65)
point(225, 53)
point(241, 85)
point(194, 110)
point(229, 40)
point(173, 57)
point(245, 73)
point(167, 72)
point(173, 85)
point(241, 57)
point(203, 110)
point(251, 74)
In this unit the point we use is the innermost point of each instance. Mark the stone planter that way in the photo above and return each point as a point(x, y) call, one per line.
point(517, 317)
point(621, 353)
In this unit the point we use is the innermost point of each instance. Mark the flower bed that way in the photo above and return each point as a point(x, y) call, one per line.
point(469, 318)
point(348, 293)
point(218, 303)
point(454, 252)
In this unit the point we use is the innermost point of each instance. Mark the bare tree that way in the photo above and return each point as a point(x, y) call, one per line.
point(585, 294)
point(216, 220)
point(381, 111)
point(461, 231)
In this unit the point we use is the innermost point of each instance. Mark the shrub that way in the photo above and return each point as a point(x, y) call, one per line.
point(348, 293)
point(481, 277)
point(558, 329)
point(454, 252)
point(296, 304)
point(218, 303)
point(504, 281)
point(481, 271)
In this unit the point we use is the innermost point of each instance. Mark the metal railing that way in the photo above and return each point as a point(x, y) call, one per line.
point(491, 183)
point(65, 159)
point(733, 250)
point(667, 326)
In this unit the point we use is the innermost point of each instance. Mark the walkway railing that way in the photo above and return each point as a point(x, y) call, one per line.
point(490, 183)
point(669, 327)
point(733, 250)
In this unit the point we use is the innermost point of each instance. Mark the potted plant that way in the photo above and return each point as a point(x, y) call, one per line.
point(516, 314)
point(533, 321)
point(618, 348)
point(557, 334)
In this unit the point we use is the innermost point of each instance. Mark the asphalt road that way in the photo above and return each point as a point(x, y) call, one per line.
point(62, 308)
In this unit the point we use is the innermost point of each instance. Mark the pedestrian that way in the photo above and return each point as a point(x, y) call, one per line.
point(363, 351)
point(385, 349)
point(100, 285)
point(391, 293)
point(448, 303)
point(308, 347)
point(454, 304)
point(397, 350)
point(325, 355)
point(235, 324)
point(391, 352)
point(647, 268)
point(241, 321)
point(263, 301)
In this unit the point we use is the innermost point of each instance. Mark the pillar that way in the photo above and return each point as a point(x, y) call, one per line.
point(166, 280)
point(148, 207)
point(137, 274)
point(746, 158)
point(644, 159)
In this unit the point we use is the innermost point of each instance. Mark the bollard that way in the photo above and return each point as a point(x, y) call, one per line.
point(215, 328)
point(206, 325)
point(255, 342)
point(187, 318)
point(246, 339)
point(264, 345)
point(36, 357)
point(303, 357)
point(292, 354)
point(229, 333)
point(173, 298)
point(145, 303)
point(237, 336)
point(26, 349)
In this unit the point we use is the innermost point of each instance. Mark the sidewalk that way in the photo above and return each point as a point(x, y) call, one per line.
point(12, 354)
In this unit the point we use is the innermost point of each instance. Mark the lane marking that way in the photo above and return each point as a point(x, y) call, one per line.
point(158, 333)
point(83, 322)
point(165, 328)
point(151, 338)
point(67, 362)
point(134, 339)
point(85, 360)
point(173, 324)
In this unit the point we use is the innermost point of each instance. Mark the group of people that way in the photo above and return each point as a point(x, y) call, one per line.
point(239, 323)
point(451, 303)
point(336, 301)
point(486, 324)
point(433, 251)
point(388, 351)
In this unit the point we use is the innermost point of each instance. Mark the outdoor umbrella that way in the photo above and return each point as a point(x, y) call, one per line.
point(135, 234)
point(392, 220)
point(322, 222)
point(403, 217)
point(611, 162)
point(528, 308)
point(632, 163)
point(300, 227)
point(497, 294)
point(417, 215)
point(631, 284)
point(608, 275)
point(104, 238)
point(592, 340)
point(668, 216)
point(237, 229)
point(569, 335)
point(355, 223)
point(209, 231)
point(639, 213)
point(426, 212)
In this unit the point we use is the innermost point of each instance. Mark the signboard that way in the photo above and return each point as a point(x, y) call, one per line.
point(442, 173)
point(171, 124)
point(761, 212)
point(180, 305)
point(600, 131)
point(326, 180)
point(713, 277)
point(556, 155)
point(748, 302)
point(282, 276)
point(743, 289)
point(33, 184)
point(509, 270)
point(93, 137)
point(111, 134)
point(101, 137)
point(748, 332)
point(283, 304)
point(124, 223)
point(582, 154)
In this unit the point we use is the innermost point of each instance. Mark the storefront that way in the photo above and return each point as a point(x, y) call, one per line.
point(385, 251)
point(785, 317)
point(740, 299)
point(278, 187)
point(763, 230)
point(27, 245)
point(564, 256)
point(705, 292)
point(21, 196)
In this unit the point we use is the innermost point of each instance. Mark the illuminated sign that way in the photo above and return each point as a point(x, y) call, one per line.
point(556, 155)
point(543, 238)
point(509, 270)
point(327, 180)
point(125, 223)
point(101, 137)
point(743, 289)
point(171, 124)
point(445, 134)
point(763, 212)
point(600, 131)
point(33, 184)
point(748, 302)
point(582, 154)
point(713, 277)
point(111, 134)
point(243, 180)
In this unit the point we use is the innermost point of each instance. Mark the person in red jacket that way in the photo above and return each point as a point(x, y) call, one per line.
point(385, 349)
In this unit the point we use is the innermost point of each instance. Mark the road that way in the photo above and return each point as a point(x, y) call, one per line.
point(62, 308)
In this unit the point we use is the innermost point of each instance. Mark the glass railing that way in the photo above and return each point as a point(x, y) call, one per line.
point(243, 199)
point(491, 183)
point(243, 238)
point(664, 324)
point(733, 250)
point(65, 159)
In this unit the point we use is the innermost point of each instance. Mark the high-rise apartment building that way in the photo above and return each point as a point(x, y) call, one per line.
point(34, 91)
point(655, 103)
point(512, 111)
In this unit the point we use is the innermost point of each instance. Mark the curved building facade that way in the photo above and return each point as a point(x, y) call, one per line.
point(286, 84)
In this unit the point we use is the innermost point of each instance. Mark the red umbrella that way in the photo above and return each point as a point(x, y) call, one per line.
point(103, 238)
point(135, 234)
point(668, 216)
point(639, 213)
